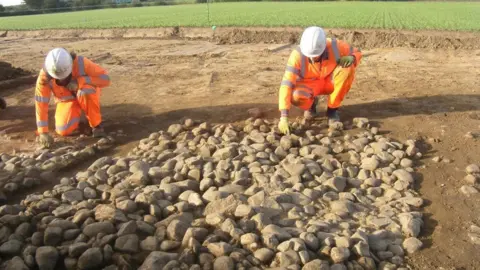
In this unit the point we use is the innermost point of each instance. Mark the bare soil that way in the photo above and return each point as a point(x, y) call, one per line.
point(8, 72)
point(419, 85)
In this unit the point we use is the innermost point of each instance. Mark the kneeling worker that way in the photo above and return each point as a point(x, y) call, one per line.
point(75, 82)
point(320, 66)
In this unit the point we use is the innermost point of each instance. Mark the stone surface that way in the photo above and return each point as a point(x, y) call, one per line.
point(228, 196)
point(264, 255)
point(177, 229)
point(412, 245)
point(340, 254)
point(468, 190)
point(473, 168)
point(91, 259)
point(220, 249)
point(127, 243)
point(93, 229)
point(11, 247)
point(157, 260)
point(223, 263)
point(53, 236)
point(316, 265)
point(77, 249)
point(46, 257)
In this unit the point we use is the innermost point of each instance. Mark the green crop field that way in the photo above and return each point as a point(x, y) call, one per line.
point(385, 15)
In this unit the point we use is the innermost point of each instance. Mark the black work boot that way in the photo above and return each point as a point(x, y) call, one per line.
point(333, 116)
point(98, 131)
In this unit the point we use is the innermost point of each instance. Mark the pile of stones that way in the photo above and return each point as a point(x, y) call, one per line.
point(26, 170)
point(227, 197)
point(472, 179)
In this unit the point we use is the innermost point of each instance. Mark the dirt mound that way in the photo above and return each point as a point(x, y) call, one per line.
point(11, 77)
point(365, 39)
point(242, 36)
point(379, 39)
point(8, 72)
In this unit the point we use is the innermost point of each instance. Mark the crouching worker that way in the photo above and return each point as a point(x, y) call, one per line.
point(75, 83)
point(320, 66)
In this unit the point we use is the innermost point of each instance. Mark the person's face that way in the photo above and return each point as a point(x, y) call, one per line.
point(65, 81)
point(316, 59)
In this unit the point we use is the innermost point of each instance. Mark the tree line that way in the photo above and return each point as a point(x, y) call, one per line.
point(31, 7)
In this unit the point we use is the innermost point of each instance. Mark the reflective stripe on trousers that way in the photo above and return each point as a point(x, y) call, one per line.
point(42, 123)
point(302, 93)
point(87, 91)
point(42, 99)
point(287, 83)
point(69, 124)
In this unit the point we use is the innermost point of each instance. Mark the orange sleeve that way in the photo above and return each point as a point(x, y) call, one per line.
point(289, 79)
point(347, 49)
point(91, 73)
point(42, 99)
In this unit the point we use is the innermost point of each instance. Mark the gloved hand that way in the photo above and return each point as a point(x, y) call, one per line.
point(346, 61)
point(45, 140)
point(283, 125)
point(72, 86)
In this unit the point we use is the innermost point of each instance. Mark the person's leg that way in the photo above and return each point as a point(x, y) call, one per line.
point(67, 117)
point(342, 82)
point(89, 99)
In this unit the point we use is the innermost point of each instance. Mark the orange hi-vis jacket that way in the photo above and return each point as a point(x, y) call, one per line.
point(302, 73)
point(90, 78)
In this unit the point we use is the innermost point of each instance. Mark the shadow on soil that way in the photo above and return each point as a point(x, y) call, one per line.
point(138, 120)
point(376, 110)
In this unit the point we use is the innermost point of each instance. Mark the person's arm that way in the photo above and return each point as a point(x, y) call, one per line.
point(348, 50)
point(91, 73)
point(288, 83)
point(42, 99)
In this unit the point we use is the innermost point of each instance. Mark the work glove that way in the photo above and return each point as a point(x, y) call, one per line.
point(45, 140)
point(283, 125)
point(346, 61)
point(72, 86)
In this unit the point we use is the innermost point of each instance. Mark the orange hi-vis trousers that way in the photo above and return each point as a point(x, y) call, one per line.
point(68, 113)
point(335, 86)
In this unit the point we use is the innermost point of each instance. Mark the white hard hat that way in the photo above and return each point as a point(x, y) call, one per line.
point(313, 41)
point(58, 63)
